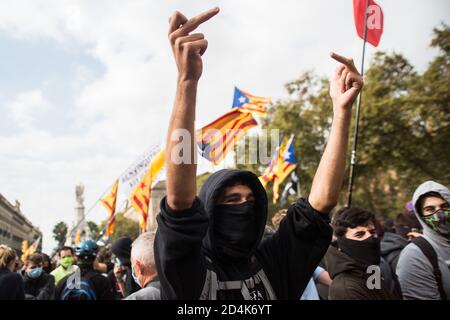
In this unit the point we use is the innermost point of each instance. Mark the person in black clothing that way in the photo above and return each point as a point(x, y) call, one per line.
point(38, 284)
point(208, 247)
point(11, 283)
point(121, 275)
point(47, 264)
point(86, 253)
point(352, 259)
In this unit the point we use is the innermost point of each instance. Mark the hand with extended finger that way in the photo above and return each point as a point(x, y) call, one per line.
point(345, 85)
point(188, 48)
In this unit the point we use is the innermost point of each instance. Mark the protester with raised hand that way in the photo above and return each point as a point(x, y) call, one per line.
point(208, 246)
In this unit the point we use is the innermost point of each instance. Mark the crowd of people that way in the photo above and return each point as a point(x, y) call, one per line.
point(410, 254)
point(123, 270)
point(216, 244)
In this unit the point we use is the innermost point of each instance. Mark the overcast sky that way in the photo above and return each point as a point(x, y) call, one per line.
point(87, 86)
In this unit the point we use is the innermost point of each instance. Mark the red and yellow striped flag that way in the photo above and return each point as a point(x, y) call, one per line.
point(220, 136)
point(110, 204)
point(78, 237)
point(140, 197)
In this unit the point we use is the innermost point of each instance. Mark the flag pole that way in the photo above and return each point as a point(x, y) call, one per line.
point(299, 192)
point(358, 110)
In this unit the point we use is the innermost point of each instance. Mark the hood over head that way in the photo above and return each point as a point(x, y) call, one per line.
point(426, 187)
point(392, 242)
point(211, 190)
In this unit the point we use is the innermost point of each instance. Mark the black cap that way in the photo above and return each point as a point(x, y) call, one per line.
point(121, 248)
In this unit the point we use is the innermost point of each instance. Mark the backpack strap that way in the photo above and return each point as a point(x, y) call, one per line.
point(212, 284)
point(269, 290)
point(430, 253)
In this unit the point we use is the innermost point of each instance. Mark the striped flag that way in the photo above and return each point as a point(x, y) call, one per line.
point(269, 174)
point(110, 204)
point(249, 103)
point(140, 197)
point(78, 237)
point(286, 164)
point(31, 249)
point(220, 136)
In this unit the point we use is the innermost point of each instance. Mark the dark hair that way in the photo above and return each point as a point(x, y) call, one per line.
point(236, 181)
point(351, 217)
point(406, 219)
point(388, 225)
point(35, 258)
point(104, 255)
point(65, 248)
point(422, 198)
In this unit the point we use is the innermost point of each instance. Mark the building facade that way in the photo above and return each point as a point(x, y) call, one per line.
point(15, 227)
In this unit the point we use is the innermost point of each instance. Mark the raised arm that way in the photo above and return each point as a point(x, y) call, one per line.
point(181, 166)
point(344, 88)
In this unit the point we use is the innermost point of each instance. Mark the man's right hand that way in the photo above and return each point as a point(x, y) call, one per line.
point(188, 48)
point(119, 272)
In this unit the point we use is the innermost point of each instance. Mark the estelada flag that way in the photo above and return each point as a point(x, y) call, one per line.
point(78, 237)
point(286, 164)
point(250, 103)
point(220, 136)
point(269, 173)
point(110, 204)
point(140, 197)
point(374, 21)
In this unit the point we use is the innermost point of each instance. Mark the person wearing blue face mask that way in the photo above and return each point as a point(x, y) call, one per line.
point(38, 284)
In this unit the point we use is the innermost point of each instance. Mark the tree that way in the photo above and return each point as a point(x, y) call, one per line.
point(60, 233)
point(94, 230)
point(123, 227)
point(404, 128)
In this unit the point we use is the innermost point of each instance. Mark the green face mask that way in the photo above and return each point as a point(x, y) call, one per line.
point(439, 221)
point(66, 262)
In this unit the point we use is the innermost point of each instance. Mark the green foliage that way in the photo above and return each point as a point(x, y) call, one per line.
point(404, 128)
point(124, 227)
point(93, 229)
point(60, 233)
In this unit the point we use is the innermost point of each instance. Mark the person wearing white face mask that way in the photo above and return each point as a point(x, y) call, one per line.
point(38, 284)
point(144, 269)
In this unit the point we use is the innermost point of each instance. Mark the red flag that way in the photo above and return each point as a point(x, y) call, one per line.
point(374, 20)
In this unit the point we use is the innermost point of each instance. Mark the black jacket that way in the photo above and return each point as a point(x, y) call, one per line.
point(42, 288)
point(391, 246)
point(101, 285)
point(350, 279)
point(288, 258)
point(11, 285)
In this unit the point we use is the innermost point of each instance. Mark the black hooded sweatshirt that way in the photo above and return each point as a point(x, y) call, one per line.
point(185, 238)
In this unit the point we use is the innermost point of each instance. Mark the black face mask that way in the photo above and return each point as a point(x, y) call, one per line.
point(235, 229)
point(366, 252)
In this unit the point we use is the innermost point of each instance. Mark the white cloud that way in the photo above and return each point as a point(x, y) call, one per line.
point(25, 107)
